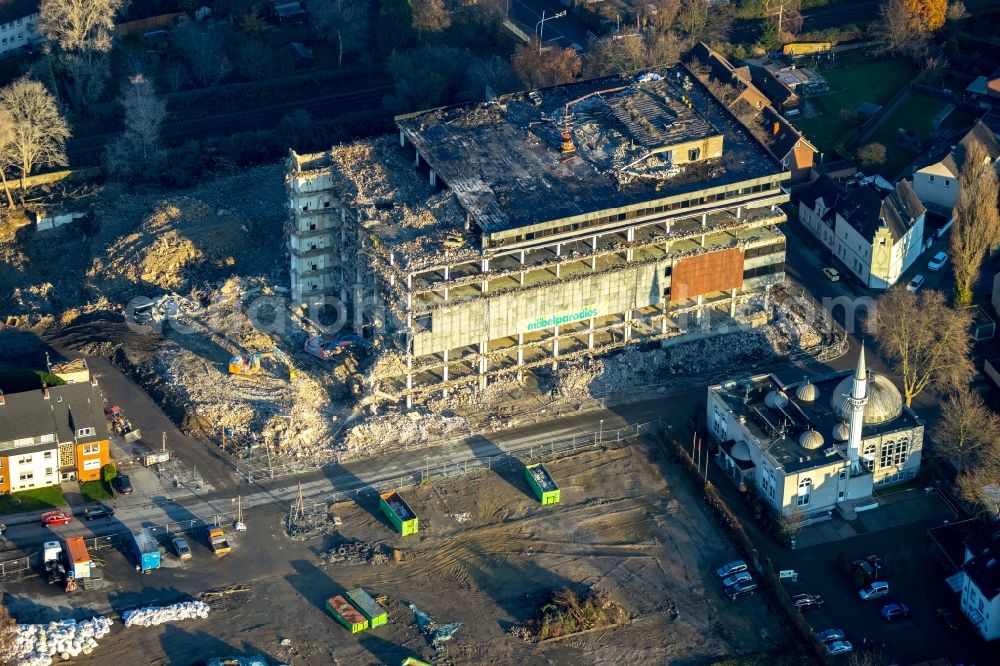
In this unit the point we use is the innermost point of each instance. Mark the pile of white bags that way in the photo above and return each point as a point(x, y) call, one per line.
point(37, 644)
point(150, 616)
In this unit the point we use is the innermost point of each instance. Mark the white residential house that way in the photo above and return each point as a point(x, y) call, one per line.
point(17, 24)
point(874, 228)
point(981, 587)
point(936, 184)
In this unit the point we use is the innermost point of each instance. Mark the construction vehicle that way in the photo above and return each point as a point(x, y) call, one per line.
point(120, 423)
point(55, 572)
point(245, 365)
point(326, 348)
point(217, 540)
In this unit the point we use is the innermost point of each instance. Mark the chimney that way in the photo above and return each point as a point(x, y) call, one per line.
point(45, 391)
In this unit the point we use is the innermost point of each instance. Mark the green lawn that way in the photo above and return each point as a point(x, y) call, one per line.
point(917, 113)
point(36, 499)
point(850, 85)
point(94, 491)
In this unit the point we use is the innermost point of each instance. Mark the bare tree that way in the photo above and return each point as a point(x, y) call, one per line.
point(546, 68)
point(8, 154)
point(430, 16)
point(897, 28)
point(81, 33)
point(981, 487)
point(977, 221)
point(968, 432)
point(956, 11)
point(494, 73)
point(786, 16)
point(661, 15)
point(345, 21)
point(39, 130)
point(692, 17)
point(254, 60)
point(872, 154)
point(611, 55)
point(926, 341)
point(209, 63)
point(137, 150)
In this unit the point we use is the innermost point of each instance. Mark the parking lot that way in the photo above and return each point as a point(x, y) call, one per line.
point(896, 532)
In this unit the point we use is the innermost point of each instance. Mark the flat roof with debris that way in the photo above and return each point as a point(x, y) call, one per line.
point(503, 160)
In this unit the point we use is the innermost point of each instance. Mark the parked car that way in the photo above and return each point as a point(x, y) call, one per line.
point(894, 611)
point(51, 518)
point(741, 577)
point(832, 274)
point(727, 570)
point(804, 601)
point(122, 484)
point(937, 262)
point(95, 511)
point(181, 548)
point(875, 590)
point(915, 284)
point(839, 647)
point(744, 589)
point(830, 635)
point(947, 618)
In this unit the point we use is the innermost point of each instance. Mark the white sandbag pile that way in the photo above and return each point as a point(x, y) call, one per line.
point(150, 616)
point(38, 644)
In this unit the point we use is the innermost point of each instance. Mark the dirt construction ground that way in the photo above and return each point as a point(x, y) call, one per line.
point(487, 555)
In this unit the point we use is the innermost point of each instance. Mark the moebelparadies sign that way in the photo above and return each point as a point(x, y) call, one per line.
point(556, 320)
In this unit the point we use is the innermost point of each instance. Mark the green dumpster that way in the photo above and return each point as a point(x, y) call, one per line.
point(361, 600)
point(541, 482)
point(399, 513)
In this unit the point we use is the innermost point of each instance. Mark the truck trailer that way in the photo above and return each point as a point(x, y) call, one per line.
point(78, 562)
point(375, 614)
point(147, 551)
point(346, 614)
point(399, 513)
point(541, 482)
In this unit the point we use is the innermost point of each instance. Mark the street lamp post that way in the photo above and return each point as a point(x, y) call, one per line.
point(540, 27)
point(600, 437)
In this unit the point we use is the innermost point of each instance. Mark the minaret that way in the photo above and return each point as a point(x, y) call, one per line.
point(857, 401)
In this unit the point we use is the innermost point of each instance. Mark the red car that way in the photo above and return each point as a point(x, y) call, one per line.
point(56, 518)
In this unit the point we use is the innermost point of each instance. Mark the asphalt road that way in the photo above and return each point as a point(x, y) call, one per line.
point(563, 32)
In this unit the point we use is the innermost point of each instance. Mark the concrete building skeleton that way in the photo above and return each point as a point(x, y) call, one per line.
point(540, 226)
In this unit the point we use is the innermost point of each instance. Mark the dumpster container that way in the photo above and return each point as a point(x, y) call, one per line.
point(346, 614)
point(78, 561)
point(541, 482)
point(147, 551)
point(361, 600)
point(399, 513)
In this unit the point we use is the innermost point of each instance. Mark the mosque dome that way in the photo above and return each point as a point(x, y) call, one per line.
point(811, 440)
point(884, 401)
point(740, 451)
point(842, 432)
point(776, 399)
point(807, 392)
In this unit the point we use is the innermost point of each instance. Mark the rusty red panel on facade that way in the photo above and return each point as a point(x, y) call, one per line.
point(705, 273)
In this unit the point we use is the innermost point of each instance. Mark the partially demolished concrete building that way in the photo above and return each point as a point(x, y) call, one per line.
point(540, 226)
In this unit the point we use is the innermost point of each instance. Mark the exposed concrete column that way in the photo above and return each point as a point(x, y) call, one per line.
point(663, 321)
point(446, 292)
point(520, 349)
point(628, 325)
point(739, 212)
point(593, 257)
point(483, 363)
point(703, 240)
point(700, 300)
point(590, 334)
point(433, 178)
point(555, 348)
point(444, 372)
point(666, 226)
point(767, 296)
point(732, 302)
point(416, 159)
point(704, 220)
point(486, 269)
point(402, 139)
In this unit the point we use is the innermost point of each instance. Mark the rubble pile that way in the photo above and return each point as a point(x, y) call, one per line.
point(401, 430)
point(308, 524)
point(151, 616)
point(38, 644)
point(401, 210)
point(356, 552)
